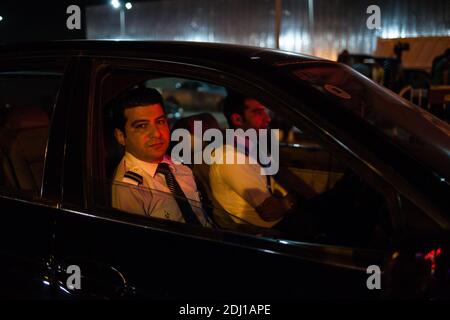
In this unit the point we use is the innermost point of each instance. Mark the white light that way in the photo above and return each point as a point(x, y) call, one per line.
point(128, 5)
point(64, 289)
point(1, 18)
point(115, 3)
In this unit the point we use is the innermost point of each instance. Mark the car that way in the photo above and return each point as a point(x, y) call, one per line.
point(370, 170)
point(190, 94)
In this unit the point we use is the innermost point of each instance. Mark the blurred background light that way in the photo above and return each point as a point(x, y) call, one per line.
point(317, 27)
point(115, 4)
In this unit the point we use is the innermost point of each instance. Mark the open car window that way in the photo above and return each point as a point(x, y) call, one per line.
point(333, 205)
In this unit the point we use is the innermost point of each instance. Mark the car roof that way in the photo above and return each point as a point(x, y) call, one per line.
point(225, 52)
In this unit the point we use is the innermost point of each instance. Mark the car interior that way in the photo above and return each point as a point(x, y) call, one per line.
point(24, 127)
point(338, 206)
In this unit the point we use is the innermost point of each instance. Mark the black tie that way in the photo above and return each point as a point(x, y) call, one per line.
point(182, 202)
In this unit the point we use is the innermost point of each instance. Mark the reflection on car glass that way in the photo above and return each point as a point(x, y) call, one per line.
point(337, 91)
point(396, 119)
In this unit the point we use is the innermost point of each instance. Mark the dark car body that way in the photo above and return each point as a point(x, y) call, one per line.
point(70, 223)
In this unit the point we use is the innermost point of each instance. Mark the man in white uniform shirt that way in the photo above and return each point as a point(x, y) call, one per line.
point(146, 181)
point(240, 189)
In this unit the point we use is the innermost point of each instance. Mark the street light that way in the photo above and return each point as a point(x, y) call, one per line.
point(1, 18)
point(116, 5)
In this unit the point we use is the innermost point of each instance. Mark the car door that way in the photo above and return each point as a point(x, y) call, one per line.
point(122, 255)
point(32, 94)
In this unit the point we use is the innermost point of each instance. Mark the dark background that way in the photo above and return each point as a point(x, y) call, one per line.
point(333, 26)
point(32, 21)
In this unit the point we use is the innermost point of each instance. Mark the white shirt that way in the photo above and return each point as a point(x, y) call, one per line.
point(151, 196)
point(240, 188)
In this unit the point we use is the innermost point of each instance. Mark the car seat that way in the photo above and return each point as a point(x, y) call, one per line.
point(24, 153)
point(201, 171)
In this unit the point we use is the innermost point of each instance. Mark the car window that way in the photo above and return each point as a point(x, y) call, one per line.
point(413, 129)
point(181, 100)
point(331, 203)
point(335, 204)
point(27, 99)
point(417, 221)
point(184, 97)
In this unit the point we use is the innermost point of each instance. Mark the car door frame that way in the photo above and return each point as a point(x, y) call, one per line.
point(36, 213)
point(351, 258)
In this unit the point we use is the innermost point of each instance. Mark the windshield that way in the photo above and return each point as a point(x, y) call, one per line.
point(424, 136)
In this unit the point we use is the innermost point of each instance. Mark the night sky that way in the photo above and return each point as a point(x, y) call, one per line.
point(30, 21)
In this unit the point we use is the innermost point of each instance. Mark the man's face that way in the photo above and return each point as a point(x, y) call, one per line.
point(255, 115)
point(147, 133)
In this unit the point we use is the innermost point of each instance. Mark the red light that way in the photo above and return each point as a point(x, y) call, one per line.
point(432, 257)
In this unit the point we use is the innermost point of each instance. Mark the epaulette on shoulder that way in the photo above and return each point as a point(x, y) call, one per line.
point(136, 177)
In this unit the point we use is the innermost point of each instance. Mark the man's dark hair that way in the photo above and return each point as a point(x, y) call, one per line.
point(233, 103)
point(131, 99)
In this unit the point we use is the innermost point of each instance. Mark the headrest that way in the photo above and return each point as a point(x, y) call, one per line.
point(24, 118)
point(207, 119)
